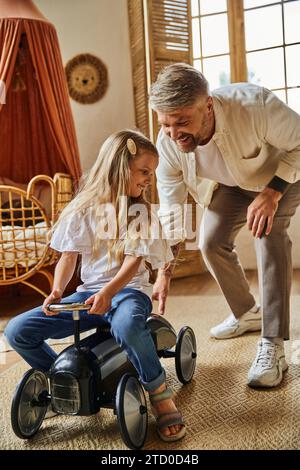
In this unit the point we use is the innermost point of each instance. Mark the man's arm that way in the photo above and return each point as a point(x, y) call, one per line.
point(278, 184)
point(172, 190)
point(168, 269)
point(281, 130)
point(162, 283)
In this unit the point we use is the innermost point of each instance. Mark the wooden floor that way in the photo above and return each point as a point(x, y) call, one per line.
point(202, 284)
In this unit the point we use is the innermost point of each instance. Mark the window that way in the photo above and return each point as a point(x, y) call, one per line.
point(273, 47)
point(255, 40)
point(211, 51)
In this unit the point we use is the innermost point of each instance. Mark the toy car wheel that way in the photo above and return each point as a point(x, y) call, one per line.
point(185, 354)
point(29, 404)
point(131, 411)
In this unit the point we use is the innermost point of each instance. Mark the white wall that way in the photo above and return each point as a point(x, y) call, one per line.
point(98, 27)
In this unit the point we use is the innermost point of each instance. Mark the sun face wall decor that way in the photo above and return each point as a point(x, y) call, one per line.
point(87, 78)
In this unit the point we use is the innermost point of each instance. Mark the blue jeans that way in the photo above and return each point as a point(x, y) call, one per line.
point(130, 308)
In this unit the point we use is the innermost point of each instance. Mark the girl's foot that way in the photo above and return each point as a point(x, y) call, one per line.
point(170, 425)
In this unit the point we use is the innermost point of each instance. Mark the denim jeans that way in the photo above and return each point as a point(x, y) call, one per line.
point(130, 308)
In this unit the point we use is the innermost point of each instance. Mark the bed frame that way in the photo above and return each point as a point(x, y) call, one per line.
point(24, 227)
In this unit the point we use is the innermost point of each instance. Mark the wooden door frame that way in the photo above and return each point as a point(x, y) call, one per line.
point(237, 47)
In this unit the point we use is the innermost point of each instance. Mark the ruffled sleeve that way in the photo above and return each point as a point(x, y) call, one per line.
point(72, 234)
point(156, 252)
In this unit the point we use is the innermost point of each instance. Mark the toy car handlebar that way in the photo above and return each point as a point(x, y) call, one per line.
point(61, 307)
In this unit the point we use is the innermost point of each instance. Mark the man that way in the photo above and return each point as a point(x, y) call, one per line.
point(245, 139)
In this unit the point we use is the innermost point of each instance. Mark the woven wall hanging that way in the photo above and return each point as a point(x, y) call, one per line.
point(87, 78)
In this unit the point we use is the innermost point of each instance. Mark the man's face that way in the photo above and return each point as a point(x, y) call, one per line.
point(189, 126)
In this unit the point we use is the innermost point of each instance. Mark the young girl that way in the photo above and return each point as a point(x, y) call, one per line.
point(113, 271)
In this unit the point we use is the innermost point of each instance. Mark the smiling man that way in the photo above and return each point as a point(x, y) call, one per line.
point(237, 152)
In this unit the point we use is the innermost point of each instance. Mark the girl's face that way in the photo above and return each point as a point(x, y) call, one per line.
point(142, 169)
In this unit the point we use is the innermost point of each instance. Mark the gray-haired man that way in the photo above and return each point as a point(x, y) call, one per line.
point(245, 139)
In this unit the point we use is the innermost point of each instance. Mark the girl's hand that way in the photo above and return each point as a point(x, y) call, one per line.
point(101, 302)
point(55, 296)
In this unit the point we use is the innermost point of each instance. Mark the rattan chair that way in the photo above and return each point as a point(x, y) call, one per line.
point(24, 227)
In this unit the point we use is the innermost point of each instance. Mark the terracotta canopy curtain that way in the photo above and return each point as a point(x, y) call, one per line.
point(37, 133)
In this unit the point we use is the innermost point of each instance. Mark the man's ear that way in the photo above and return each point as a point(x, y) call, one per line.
point(210, 104)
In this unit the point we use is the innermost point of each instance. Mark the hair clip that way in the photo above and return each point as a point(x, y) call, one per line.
point(131, 145)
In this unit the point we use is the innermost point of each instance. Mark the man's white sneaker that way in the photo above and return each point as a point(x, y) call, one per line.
point(232, 327)
point(268, 366)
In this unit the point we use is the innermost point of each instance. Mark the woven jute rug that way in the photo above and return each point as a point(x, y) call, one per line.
point(220, 411)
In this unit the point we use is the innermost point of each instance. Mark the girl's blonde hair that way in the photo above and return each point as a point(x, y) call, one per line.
point(107, 181)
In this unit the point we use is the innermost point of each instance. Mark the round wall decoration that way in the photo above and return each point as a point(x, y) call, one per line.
point(87, 78)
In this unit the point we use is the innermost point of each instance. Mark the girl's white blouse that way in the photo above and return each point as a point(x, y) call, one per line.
point(76, 233)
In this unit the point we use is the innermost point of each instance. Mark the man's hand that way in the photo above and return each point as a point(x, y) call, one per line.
point(160, 291)
point(55, 296)
point(261, 212)
point(101, 302)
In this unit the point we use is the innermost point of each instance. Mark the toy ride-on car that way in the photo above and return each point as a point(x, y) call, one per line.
point(96, 373)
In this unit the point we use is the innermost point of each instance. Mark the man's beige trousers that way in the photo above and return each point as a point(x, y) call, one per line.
point(222, 220)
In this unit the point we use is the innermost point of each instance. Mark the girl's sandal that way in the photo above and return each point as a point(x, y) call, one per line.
point(166, 420)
